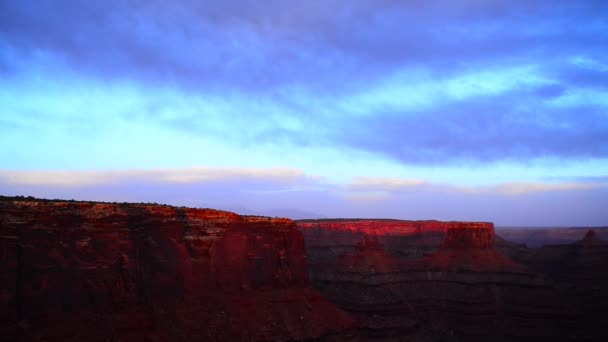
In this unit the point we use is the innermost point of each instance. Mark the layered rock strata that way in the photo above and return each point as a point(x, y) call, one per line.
point(74, 271)
point(326, 239)
point(409, 280)
point(98, 271)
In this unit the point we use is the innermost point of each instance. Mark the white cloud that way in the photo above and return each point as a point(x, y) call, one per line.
point(385, 184)
point(184, 175)
point(524, 188)
point(368, 188)
point(260, 190)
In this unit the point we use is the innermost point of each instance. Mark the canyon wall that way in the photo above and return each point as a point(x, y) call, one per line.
point(155, 271)
point(429, 280)
point(326, 239)
point(74, 271)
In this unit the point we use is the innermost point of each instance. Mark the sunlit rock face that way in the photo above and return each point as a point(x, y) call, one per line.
point(429, 280)
point(418, 242)
point(76, 270)
point(326, 239)
point(470, 246)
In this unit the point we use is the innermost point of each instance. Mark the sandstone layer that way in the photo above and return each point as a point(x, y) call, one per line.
point(74, 271)
point(429, 280)
point(97, 271)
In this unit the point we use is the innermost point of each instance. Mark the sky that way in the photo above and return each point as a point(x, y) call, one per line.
point(475, 110)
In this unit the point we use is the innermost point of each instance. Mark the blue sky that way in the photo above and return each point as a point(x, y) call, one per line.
point(463, 110)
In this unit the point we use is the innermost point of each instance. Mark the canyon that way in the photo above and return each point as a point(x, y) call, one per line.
point(430, 280)
point(75, 271)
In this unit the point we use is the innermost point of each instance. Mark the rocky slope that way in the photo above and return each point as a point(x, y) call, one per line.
point(428, 280)
point(96, 271)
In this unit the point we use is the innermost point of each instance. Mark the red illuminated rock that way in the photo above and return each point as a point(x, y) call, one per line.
point(368, 257)
point(377, 227)
point(74, 271)
point(328, 238)
point(470, 246)
point(72, 268)
point(469, 235)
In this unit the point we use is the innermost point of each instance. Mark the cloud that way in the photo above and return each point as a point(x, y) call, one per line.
point(435, 89)
point(289, 192)
point(504, 127)
point(279, 181)
point(417, 82)
point(166, 176)
point(381, 188)
point(329, 45)
point(365, 196)
point(529, 187)
point(550, 90)
point(385, 184)
point(586, 77)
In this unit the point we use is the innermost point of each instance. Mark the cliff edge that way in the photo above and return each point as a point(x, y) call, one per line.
point(79, 270)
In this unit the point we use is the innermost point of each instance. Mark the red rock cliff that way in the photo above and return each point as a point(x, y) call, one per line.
point(377, 227)
point(59, 257)
point(467, 235)
point(406, 278)
point(405, 239)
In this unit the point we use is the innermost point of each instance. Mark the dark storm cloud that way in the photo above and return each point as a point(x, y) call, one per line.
point(482, 131)
point(550, 90)
point(321, 43)
point(336, 48)
point(183, 44)
point(585, 77)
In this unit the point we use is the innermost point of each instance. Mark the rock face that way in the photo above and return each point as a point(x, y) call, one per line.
point(469, 235)
point(429, 280)
point(74, 271)
point(94, 271)
point(470, 246)
point(326, 239)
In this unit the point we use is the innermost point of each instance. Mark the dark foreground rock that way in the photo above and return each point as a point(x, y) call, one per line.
point(82, 271)
point(447, 281)
point(76, 271)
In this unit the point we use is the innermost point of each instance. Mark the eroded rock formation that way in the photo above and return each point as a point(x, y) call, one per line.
point(433, 280)
point(77, 271)
point(73, 271)
point(326, 239)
